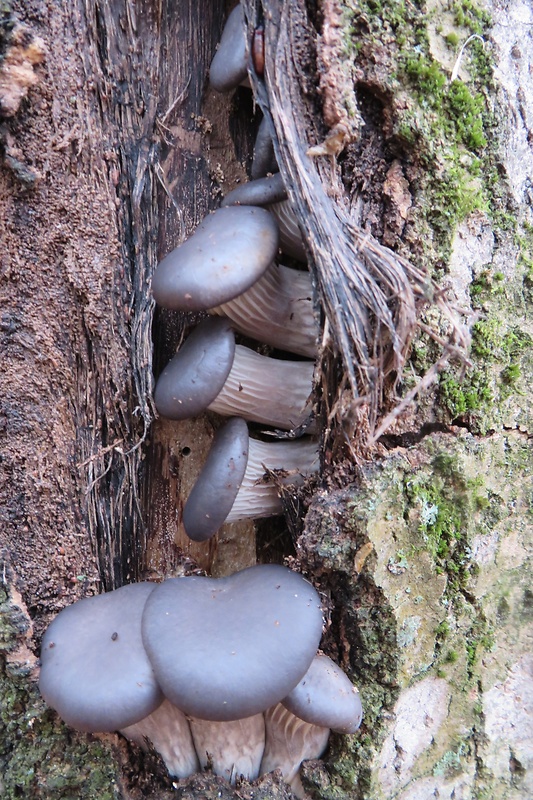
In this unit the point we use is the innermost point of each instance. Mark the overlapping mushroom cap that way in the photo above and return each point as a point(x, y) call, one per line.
point(211, 371)
point(228, 648)
point(95, 672)
point(212, 496)
point(228, 68)
point(260, 192)
point(325, 696)
point(196, 375)
point(271, 192)
point(227, 253)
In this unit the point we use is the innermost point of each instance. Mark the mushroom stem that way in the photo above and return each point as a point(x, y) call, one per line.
point(231, 749)
point(290, 235)
point(289, 741)
point(168, 731)
point(259, 496)
point(261, 192)
point(266, 390)
point(278, 310)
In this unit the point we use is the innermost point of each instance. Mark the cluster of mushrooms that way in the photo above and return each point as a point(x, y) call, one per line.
point(218, 672)
point(221, 673)
point(228, 269)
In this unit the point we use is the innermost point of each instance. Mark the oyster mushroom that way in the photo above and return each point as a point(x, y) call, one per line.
point(271, 192)
point(211, 372)
point(224, 649)
point(225, 255)
point(228, 67)
point(231, 484)
point(298, 728)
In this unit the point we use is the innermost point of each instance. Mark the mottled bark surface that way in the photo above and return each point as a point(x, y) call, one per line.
point(113, 150)
point(106, 166)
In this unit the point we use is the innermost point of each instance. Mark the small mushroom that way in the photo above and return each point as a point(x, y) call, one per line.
point(232, 483)
point(214, 493)
point(95, 672)
point(211, 371)
point(228, 68)
point(298, 728)
point(260, 192)
point(264, 158)
point(228, 648)
point(227, 253)
point(277, 310)
point(325, 696)
point(271, 192)
point(231, 749)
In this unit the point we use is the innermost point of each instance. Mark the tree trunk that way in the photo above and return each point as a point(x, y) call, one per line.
point(113, 151)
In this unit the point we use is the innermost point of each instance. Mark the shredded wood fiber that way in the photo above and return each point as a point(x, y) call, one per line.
point(372, 298)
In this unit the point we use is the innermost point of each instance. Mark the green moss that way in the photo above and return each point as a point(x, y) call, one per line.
point(445, 126)
point(511, 374)
point(454, 194)
point(486, 284)
point(470, 15)
point(466, 396)
point(467, 109)
point(427, 76)
point(451, 657)
point(446, 502)
point(479, 639)
point(501, 362)
point(452, 39)
point(524, 242)
point(39, 756)
point(442, 630)
point(452, 762)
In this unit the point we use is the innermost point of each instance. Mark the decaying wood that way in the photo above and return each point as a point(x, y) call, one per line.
point(111, 153)
point(372, 298)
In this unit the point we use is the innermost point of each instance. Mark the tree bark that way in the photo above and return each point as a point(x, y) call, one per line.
point(113, 151)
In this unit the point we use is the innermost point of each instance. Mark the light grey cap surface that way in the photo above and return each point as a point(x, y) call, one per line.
point(197, 373)
point(228, 68)
point(94, 669)
point(214, 493)
point(227, 253)
point(228, 648)
point(261, 192)
point(326, 697)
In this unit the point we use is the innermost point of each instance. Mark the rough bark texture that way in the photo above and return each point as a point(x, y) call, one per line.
point(421, 546)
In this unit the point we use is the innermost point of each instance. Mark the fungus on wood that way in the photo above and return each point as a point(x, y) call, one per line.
point(371, 297)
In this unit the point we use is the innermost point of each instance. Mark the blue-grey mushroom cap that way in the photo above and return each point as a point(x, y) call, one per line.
point(228, 68)
point(197, 373)
point(325, 696)
point(264, 158)
point(214, 493)
point(228, 648)
point(261, 192)
point(94, 669)
point(227, 253)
